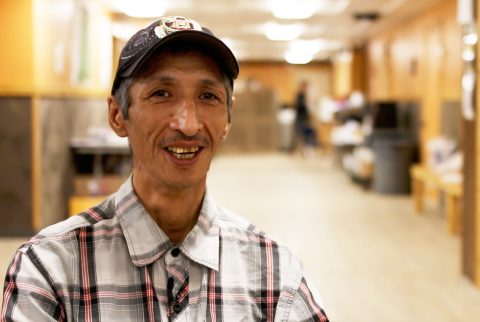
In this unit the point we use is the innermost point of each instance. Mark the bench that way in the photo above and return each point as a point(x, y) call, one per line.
point(422, 176)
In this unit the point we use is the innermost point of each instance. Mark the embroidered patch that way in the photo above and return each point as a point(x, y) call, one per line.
point(172, 24)
point(145, 38)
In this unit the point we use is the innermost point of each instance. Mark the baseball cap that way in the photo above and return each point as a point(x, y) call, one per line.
point(167, 30)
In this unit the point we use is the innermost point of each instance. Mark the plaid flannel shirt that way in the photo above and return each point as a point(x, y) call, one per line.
point(113, 263)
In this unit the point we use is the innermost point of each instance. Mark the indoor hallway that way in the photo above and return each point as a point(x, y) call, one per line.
point(370, 256)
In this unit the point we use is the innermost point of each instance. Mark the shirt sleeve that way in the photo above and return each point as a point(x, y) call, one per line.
point(307, 305)
point(28, 294)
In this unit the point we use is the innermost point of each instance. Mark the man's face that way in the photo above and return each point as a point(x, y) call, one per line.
point(177, 118)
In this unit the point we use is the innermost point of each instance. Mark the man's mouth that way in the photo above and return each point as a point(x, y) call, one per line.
point(183, 153)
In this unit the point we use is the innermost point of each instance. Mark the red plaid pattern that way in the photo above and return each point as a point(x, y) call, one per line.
point(113, 263)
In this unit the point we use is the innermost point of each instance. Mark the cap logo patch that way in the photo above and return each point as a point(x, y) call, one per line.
point(173, 24)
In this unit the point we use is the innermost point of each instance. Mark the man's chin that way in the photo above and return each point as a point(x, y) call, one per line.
point(183, 184)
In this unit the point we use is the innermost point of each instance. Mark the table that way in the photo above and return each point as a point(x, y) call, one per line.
point(421, 176)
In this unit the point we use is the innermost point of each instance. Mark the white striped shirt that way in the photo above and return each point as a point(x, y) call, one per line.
point(113, 263)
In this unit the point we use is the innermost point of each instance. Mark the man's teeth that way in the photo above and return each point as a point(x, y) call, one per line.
point(178, 149)
point(183, 153)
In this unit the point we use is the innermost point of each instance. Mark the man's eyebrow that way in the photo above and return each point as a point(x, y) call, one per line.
point(164, 78)
point(210, 82)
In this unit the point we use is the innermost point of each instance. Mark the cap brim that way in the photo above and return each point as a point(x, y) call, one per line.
point(218, 49)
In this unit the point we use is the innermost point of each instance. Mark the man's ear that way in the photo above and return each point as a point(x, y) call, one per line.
point(227, 127)
point(115, 117)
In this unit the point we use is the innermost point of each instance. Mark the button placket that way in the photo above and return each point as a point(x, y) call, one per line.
point(177, 267)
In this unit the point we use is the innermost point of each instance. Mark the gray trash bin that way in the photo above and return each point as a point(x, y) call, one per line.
point(286, 128)
point(393, 158)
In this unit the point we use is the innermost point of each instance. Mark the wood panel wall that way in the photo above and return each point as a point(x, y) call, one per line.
point(38, 63)
point(15, 167)
point(419, 60)
point(284, 78)
point(350, 75)
point(470, 231)
point(40, 54)
point(17, 68)
point(471, 240)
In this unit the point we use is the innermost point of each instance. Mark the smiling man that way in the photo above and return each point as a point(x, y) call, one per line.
point(161, 249)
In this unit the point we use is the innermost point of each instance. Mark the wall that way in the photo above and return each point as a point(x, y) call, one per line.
point(56, 72)
point(284, 78)
point(254, 123)
point(16, 55)
point(15, 165)
point(419, 60)
point(471, 239)
point(281, 81)
point(41, 46)
point(470, 214)
point(349, 74)
point(73, 48)
point(62, 119)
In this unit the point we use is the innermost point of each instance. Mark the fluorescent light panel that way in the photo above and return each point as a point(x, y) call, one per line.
point(290, 9)
point(142, 8)
point(301, 9)
point(298, 58)
point(305, 46)
point(468, 55)
point(470, 39)
point(278, 32)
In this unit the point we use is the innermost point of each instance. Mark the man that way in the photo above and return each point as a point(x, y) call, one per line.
point(161, 249)
point(303, 127)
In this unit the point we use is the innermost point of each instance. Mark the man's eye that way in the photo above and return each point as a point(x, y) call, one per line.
point(208, 96)
point(161, 93)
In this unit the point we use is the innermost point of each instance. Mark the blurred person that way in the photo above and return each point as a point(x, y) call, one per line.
point(161, 249)
point(303, 124)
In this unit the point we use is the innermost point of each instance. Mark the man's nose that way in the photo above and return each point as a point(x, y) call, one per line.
point(185, 118)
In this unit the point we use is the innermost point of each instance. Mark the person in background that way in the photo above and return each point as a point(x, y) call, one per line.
point(303, 128)
point(161, 248)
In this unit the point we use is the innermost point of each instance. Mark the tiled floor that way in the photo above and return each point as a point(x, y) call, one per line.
point(371, 257)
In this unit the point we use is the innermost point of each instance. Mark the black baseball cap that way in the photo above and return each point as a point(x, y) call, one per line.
point(167, 30)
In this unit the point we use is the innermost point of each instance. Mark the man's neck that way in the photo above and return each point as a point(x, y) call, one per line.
point(175, 210)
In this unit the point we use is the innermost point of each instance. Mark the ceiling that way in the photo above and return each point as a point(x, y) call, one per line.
point(241, 23)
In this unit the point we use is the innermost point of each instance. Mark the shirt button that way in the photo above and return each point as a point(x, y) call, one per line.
point(170, 283)
point(177, 308)
point(175, 252)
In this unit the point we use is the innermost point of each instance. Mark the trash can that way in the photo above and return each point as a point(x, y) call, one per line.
point(286, 128)
point(393, 158)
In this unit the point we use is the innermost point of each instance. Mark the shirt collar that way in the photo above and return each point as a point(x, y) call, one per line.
point(147, 242)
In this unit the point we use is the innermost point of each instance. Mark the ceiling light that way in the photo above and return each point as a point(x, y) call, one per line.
point(290, 9)
point(276, 31)
point(298, 58)
point(142, 8)
point(468, 81)
point(305, 46)
point(323, 7)
point(468, 55)
point(470, 39)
